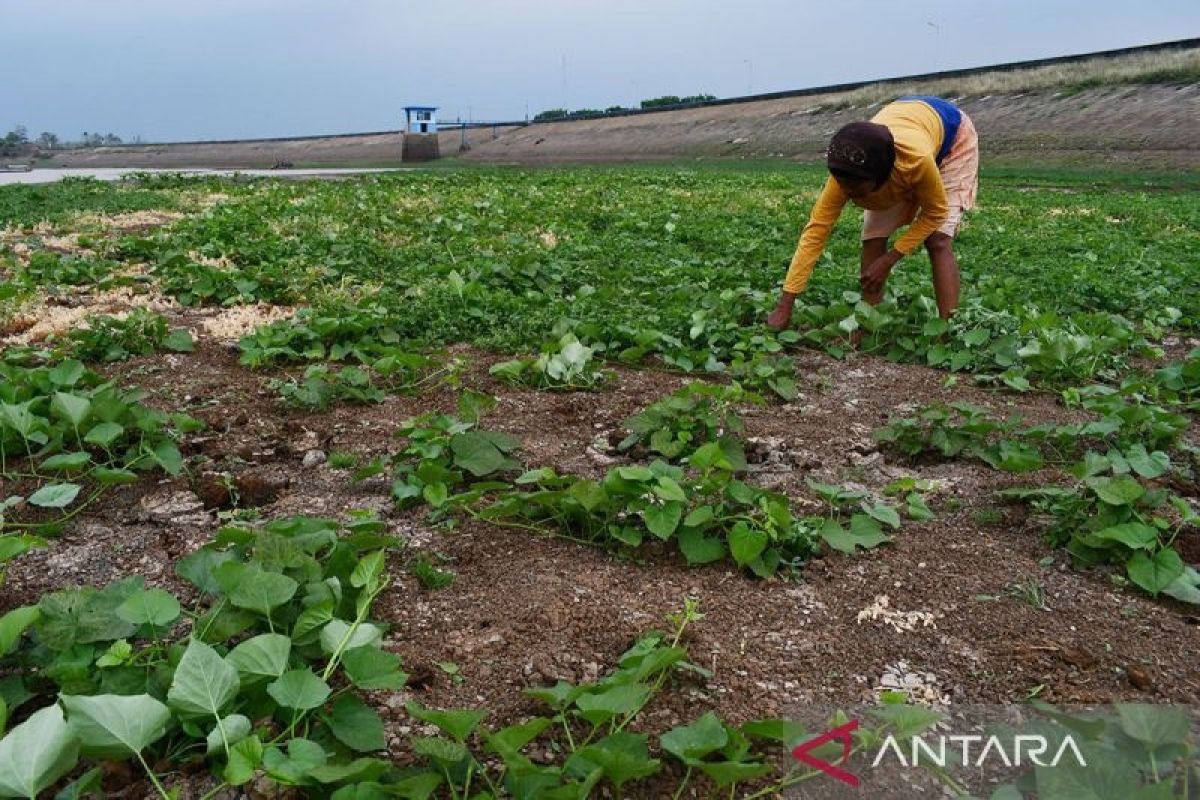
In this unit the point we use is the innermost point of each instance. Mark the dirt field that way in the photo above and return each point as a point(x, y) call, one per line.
point(528, 611)
point(944, 611)
point(1149, 126)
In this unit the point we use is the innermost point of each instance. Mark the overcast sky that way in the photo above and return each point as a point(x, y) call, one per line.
point(194, 69)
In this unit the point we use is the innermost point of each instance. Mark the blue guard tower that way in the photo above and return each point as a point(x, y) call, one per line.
point(420, 133)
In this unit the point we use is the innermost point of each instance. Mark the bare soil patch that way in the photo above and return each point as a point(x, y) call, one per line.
point(932, 611)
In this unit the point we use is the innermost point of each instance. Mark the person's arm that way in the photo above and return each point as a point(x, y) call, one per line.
point(931, 198)
point(825, 213)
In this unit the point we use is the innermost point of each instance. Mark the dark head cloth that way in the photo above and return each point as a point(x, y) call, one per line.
point(862, 150)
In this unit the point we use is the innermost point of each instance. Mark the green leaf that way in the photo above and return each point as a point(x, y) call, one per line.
point(1154, 726)
point(368, 570)
point(116, 726)
point(154, 607)
point(204, 683)
point(112, 477)
point(837, 537)
point(725, 773)
point(1013, 456)
point(638, 473)
point(1119, 491)
point(663, 520)
point(13, 545)
point(1146, 464)
point(299, 689)
point(371, 668)
point(104, 434)
point(13, 624)
point(1155, 573)
point(509, 741)
point(622, 756)
point(360, 769)
point(86, 785)
point(906, 721)
point(355, 725)
point(71, 407)
point(435, 494)
point(916, 508)
point(1101, 779)
point(689, 743)
point(67, 462)
point(558, 696)
point(259, 590)
point(55, 495)
point(263, 657)
point(472, 405)
point(236, 727)
point(36, 753)
point(786, 732)
point(335, 631)
point(67, 373)
point(197, 568)
point(244, 759)
point(599, 707)
point(669, 490)
point(442, 751)
point(1134, 535)
point(458, 725)
point(179, 341)
point(746, 543)
point(885, 514)
point(167, 456)
point(294, 769)
point(1185, 588)
point(698, 548)
point(477, 454)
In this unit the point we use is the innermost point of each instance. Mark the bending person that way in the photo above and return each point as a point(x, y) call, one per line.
point(916, 161)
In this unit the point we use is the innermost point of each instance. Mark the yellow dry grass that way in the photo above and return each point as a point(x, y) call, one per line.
point(1175, 66)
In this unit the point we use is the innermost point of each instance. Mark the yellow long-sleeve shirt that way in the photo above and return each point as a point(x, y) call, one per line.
point(918, 132)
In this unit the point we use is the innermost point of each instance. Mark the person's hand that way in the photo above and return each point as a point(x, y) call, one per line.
point(782, 315)
point(876, 273)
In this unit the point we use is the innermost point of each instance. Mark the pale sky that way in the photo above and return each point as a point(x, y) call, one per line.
point(198, 69)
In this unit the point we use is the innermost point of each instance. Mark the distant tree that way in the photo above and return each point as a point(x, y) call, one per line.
point(587, 112)
point(613, 109)
point(553, 113)
point(111, 138)
point(47, 140)
point(657, 102)
point(15, 142)
point(673, 100)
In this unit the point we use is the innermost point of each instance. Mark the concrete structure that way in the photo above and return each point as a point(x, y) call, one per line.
point(420, 133)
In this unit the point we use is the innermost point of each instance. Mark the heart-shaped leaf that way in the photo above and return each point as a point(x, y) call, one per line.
point(260, 658)
point(299, 689)
point(37, 753)
point(116, 726)
point(204, 683)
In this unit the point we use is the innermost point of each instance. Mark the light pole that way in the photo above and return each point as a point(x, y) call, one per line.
point(937, 44)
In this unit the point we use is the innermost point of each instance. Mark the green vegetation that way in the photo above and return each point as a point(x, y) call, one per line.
point(674, 100)
point(24, 204)
point(262, 672)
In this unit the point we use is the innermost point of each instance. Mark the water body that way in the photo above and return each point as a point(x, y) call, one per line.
point(115, 174)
